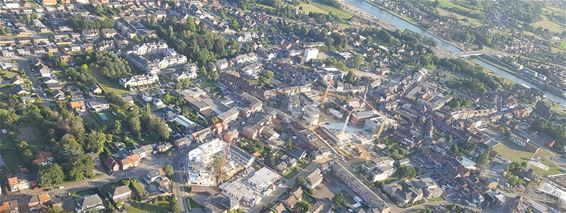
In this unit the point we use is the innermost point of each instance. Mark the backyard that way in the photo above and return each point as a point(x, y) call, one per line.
point(138, 207)
point(515, 153)
point(316, 7)
point(107, 85)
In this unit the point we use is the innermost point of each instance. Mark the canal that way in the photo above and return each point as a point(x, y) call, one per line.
point(401, 24)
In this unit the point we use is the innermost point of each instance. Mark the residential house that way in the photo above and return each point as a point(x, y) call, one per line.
point(294, 197)
point(19, 90)
point(182, 143)
point(98, 105)
point(164, 147)
point(129, 162)
point(53, 85)
point(78, 105)
point(18, 183)
point(314, 179)
point(9, 206)
point(144, 152)
point(111, 164)
point(403, 193)
point(120, 194)
point(90, 203)
point(138, 80)
point(43, 158)
point(44, 71)
point(39, 202)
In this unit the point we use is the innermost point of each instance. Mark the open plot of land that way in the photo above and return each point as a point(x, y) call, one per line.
point(316, 7)
point(6, 143)
point(461, 18)
point(136, 207)
point(9, 74)
point(547, 24)
point(452, 4)
point(107, 85)
point(13, 159)
point(515, 153)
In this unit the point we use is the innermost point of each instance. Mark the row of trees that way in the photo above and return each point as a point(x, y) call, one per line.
point(197, 42)
point(111, 65)
point(84, 23)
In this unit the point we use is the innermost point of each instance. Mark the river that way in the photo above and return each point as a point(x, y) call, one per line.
point(401, 24)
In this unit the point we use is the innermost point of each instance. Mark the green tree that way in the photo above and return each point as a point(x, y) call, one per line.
point(95, 141)
point(483, 159)
point(117, 128)
point(50, 175)
point(357, 61)
point(169, 171)
point(340, 200)
point(135, 125)
point(350, 77)
point(265, 78)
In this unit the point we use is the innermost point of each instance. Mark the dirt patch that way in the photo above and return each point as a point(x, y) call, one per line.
point(27, 133)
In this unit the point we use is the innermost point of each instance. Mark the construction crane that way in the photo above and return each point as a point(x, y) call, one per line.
point(325, 95)
point(225, 154)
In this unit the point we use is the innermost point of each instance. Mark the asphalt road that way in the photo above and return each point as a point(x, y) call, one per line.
point(139, 172)
point(23, 64)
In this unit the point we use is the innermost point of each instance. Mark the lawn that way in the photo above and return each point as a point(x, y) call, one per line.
point(5, 143)
point(193, 204)
point(9, 74)
point(461, 18)
point(451, 4)
point(13, 159)
point(108, 85)
point(548, 24)
point(316, 7)
point(560, 45)
point(515, 153)
point(83, 193)
point(137, 207)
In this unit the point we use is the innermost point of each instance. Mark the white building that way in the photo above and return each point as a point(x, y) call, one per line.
point(379, 169)
point(205, 152)
point(138, 80)
point(263, 180)
point(153, 57)
point(310, 54)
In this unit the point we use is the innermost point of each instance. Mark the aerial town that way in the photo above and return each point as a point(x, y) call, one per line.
point(282, 106)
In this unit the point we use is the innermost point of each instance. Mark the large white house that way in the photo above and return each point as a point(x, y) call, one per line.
point(138, 80)
point(153, 57)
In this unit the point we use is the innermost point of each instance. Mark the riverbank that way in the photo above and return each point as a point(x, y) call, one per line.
point(502, 66)
point(364, 16)
point(377, 13)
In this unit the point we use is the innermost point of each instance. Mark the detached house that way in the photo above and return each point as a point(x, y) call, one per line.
point(16, 184)
point(129, 162)
point(90, 203)
point(43, 158)
point(120, 194)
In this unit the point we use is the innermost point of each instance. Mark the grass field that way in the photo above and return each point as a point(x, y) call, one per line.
point(461, 18)
point(193, 204)
point(515, 153)
point(9, 74)
point(136, 207)
point(316, 7)
point(547, 24)
point(451, 4)
point(107, 85)
point(13, 159)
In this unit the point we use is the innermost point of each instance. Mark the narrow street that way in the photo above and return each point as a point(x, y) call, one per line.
point(179, 181)
point(23, 63)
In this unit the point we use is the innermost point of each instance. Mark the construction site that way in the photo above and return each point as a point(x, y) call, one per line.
point(351, 123)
